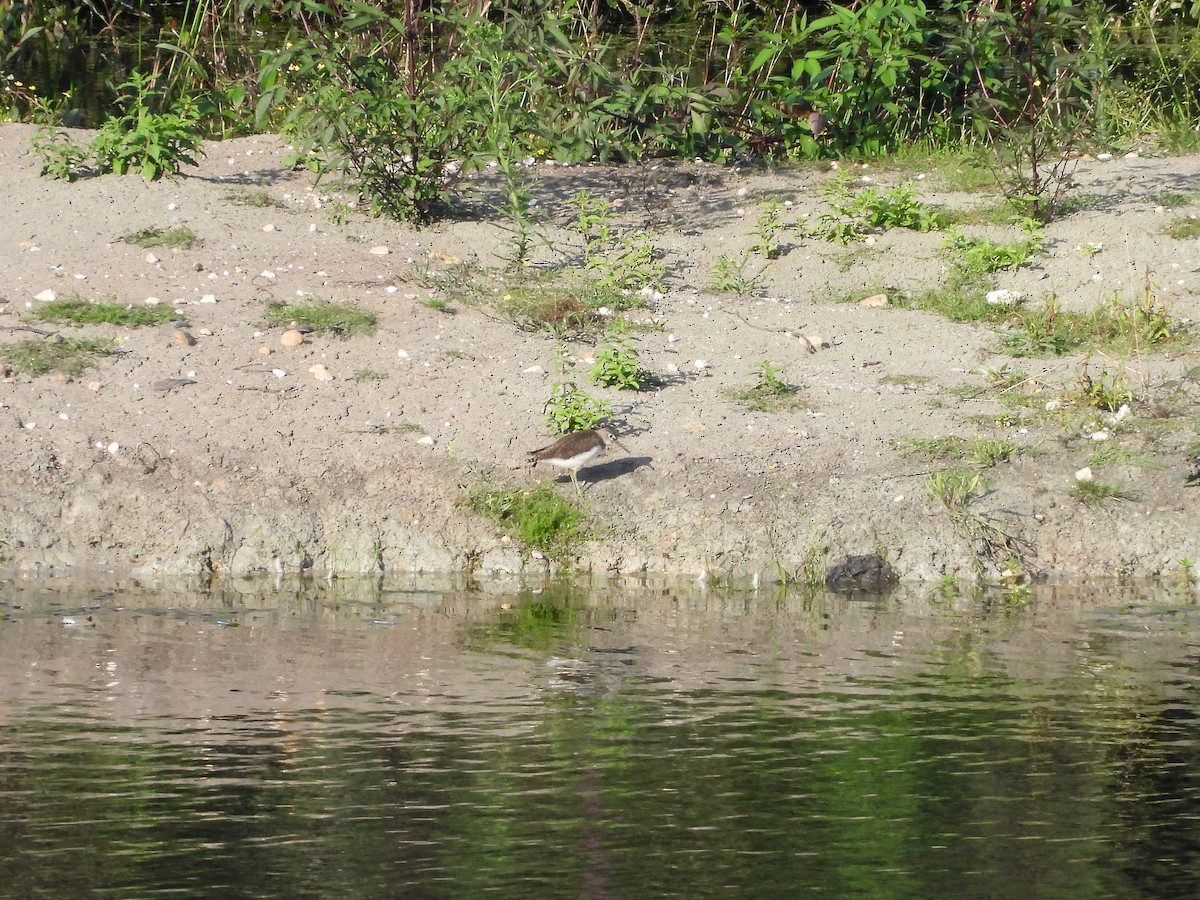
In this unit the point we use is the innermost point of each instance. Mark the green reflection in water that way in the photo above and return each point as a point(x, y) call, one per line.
point(771, 765)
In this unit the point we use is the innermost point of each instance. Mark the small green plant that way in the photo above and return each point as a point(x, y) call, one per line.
point(180, 237)
point(1185, 228)
point(594, 219)
point(1094, 493)
point(632, 264)
point(62, 159)
point(154, 144)
point(767, 230)
point(617, 366)
point(954, 488)
point(259, 199)
point(517, 208)
point(1107, 391)
point(71, 356)
point(622, 261)
point(75, 311)
point(871, 209)
point(323, 317)
point(1111, 455)
point(438, 305)
point(363, 375)
point(979, 451)
point(974, 257)
point(571, 409)
point(538, 307)
point(537, 517)
point(770, 393)
point(833, 228)
point(731, 276)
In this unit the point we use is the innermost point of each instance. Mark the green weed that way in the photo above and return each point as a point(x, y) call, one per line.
point(437, 304)
point(770, 393)
point(363, 375)
point(767, 230)
point(62, 159)
point(1107, 391)
point(954, 488)
point(974, 257)
point(730, 276)
point(1095, 493)
point(259, 199)
point(139, 140)
point(181, 237)
point(979, 451)
point(82, 312)
point(536, 517)
point(71, 356)
point(571, 409)
point(1111, 455)
point(1185, 228)
point(617, 366)
point(323, 317)
point(871, 209)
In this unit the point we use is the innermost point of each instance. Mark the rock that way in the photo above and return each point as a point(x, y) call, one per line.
point(875, 301)
point(269, 227)
point(265, 350)
point(94, 386)
point(320, 373)
point(1085, 475)
point(1004, 297)
point(291, 338)
point(170, 384)
point(182, 338)
point(380, 251)
point(46, 296)
point(866, 574)
point(814, 342)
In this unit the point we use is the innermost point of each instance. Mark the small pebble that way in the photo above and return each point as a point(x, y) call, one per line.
point(320, 373)
point(875, 301)
point(1085, 475)
point(380, 251)
point(291, 338)
point(46, 296)
point(269, 227)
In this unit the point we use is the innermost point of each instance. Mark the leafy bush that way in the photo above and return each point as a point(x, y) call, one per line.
point(137, 140)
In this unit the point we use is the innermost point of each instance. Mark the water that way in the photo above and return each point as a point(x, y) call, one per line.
point(317, 741)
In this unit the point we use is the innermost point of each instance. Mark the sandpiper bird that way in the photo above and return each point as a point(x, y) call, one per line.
point(575, 451)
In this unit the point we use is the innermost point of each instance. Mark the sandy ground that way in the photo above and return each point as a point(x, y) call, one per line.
point(258, 464)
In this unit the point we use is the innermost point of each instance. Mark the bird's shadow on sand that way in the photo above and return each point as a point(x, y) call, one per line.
point(613, 468)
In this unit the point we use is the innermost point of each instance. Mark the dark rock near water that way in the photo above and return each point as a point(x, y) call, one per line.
point(867, 574)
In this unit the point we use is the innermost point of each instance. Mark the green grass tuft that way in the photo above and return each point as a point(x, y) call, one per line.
point(71, 356)
point(323, 317)
point(770, 393)
point(75, 311)
point(180, 237)
point(537, 517)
